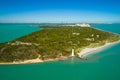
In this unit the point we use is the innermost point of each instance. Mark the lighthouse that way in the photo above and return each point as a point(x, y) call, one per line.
point(72, 52)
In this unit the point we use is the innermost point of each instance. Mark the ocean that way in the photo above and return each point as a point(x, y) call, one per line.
point(102, 65)
point(10, 32)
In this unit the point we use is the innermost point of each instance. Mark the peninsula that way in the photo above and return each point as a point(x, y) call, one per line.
point(55, 43)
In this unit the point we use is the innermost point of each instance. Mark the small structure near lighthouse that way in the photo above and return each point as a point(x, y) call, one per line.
point(72, 53)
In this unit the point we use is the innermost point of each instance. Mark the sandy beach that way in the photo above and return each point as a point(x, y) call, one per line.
point(34, 61)
point(87, 51)
point(24, 62)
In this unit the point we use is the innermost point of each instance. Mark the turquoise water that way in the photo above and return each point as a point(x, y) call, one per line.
point(115, 28)
point(10, 32)
point(103, 65)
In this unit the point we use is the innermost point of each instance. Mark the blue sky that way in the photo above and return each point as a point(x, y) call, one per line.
point(57, 11)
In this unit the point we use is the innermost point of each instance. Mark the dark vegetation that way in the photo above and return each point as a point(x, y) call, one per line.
point(54, 42)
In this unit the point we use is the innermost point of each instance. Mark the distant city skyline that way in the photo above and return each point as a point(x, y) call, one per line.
point(59, 11)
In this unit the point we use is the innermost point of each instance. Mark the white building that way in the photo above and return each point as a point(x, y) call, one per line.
point(81, 25)
point(72, 52)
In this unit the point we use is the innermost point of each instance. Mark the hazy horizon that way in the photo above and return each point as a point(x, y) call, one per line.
point(59, 11)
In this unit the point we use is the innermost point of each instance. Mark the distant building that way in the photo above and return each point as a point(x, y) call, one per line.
point(81, 25)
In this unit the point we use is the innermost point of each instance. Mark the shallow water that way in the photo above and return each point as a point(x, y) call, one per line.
point(10, 32)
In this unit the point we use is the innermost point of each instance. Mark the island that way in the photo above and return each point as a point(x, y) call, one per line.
point(55, 43)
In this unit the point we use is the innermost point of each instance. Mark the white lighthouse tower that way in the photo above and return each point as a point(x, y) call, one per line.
point(72, 52)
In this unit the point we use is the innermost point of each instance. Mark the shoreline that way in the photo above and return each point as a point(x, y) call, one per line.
point(105, 31)
point(33, 61)
point(22, 62)
point(87, 51)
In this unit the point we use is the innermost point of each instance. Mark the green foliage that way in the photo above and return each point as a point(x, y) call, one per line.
point(53, 42)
